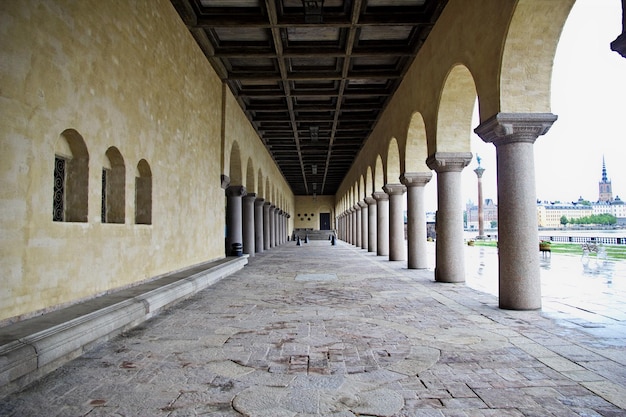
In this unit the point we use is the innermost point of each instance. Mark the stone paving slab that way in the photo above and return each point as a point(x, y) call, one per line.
point(379, 340)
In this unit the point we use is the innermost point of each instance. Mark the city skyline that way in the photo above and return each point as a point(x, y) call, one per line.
point(588, 86)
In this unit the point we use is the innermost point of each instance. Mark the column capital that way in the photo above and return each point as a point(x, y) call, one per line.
point(362, 204)
point(236, 191)
point(356, 207)
point(504, 128)
point(394, 189)
point(619, 44)
point(380, 196)
point(479, 172)
point(267, 204)
point(273, 206)
point(224, 181)
point(370, 200)
point(259, 201)
point(449, 161)
point(288, 215)
point(280, 212)
point(416, 179)
point(351, 209)
point(250, 196)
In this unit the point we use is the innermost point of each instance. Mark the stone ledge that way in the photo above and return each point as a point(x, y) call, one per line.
point(33, 348)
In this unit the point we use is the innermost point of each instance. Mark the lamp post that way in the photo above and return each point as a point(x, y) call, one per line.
point(481, 216)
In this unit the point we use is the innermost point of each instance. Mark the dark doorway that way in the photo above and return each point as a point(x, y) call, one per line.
point(324, 221)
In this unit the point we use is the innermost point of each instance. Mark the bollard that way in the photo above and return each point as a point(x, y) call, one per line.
point(298, 243)
point(237, 249)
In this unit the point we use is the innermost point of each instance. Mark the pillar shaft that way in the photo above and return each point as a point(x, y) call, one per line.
point(372, 244)
point(382, 223)
point(449, 257)
point(397, 251)
point(357, 225)
point(258, 224)
point(234, 232)
point(364, 224)
point(416, 219)
point(513, 135)
point(266, 226)
point(272, 226)
point(248, 223)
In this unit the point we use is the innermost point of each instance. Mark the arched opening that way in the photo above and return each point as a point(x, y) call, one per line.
point(250, 180)
point(393, 162)
point(113, 203)
point(379, 175)
point(71, 178)
point(235, 169)
point(143, 193)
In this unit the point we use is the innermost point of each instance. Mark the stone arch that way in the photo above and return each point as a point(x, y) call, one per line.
point(260, 191)
point(416, 151)
point(143, 193)
point(528, 55)
point(113, 187)
point(250, 178)
point(268, 195)
point(454, 118)
point(393, 162)
point(369, 182)
point(235, 169)
point(362, 193)
point(379, 174)
point(71, 178)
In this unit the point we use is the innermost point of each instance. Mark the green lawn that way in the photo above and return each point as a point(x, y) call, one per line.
point(614, 252)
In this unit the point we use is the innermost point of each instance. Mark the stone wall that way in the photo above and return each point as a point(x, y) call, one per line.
point(122, 76)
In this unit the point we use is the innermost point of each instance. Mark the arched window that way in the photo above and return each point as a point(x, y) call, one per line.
point(143, 193)
point(71, 178)
point(113, 187)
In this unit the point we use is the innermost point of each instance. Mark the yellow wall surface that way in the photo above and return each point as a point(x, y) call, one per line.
point(123, 74)
point(307, 211)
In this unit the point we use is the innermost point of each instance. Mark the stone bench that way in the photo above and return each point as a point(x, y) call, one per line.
point(34, 347)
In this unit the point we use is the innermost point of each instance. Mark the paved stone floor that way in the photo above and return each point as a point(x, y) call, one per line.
point(321, 330)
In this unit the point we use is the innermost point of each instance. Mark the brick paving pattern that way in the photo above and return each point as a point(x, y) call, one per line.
point(355, 335)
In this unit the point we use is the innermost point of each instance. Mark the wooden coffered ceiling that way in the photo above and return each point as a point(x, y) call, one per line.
point(312, 76)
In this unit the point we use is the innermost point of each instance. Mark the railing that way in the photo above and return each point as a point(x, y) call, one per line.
point(584, 239)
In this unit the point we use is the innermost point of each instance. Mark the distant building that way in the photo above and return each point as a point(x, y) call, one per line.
point(490, 214)
point(604, 187)
point(549, 214)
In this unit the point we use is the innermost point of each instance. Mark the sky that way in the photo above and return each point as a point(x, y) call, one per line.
point(589, 98)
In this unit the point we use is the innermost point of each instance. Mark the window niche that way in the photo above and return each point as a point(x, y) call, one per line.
point(113, 206)
point(70, 178)
point(143, 193)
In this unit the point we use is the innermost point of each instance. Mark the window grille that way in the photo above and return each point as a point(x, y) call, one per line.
point(103, 205)
point(58, 200)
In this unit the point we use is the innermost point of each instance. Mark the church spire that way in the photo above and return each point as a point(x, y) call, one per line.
point(604, 186)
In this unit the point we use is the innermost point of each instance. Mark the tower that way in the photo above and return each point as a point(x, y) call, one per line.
point(604, 186)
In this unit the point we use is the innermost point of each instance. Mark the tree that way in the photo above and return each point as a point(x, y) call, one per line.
point(564, 221)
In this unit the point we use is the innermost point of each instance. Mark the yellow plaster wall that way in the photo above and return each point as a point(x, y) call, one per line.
point(307, 211)
point(123, 74)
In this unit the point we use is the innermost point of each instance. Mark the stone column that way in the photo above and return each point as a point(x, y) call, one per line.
point(272, 226)
point(364, 224)
point(357, 225)
point(280, 216)
point(352, 224)
point(619, 44)
point(450, 259)
point(396, 221)
point(234, 233)
point(258, 224)
point(382, 223)
point(416, 218)
point(513, 135)
point(371, 224)
point(267, 234)
point(248, 223)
